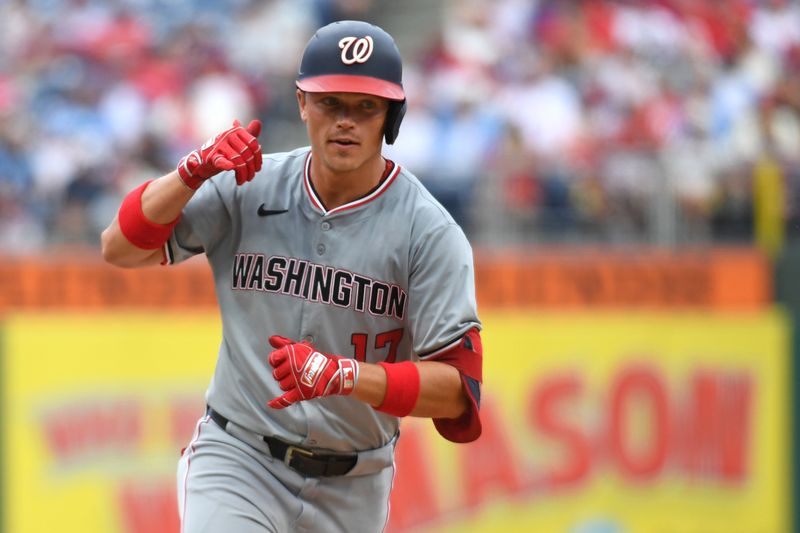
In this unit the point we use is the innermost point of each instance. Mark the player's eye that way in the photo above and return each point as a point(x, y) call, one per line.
point(330, 101)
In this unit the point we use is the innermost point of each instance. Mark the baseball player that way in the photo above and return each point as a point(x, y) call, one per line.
point(346, 294)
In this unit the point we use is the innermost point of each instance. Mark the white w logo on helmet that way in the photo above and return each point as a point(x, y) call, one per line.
point(355, 50)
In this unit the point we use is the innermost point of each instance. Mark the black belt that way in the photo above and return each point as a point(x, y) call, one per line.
point(305, 461)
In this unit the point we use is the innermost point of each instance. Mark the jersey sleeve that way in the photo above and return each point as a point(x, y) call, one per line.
point(204, 221)
point(444, 320)
point(442, 306)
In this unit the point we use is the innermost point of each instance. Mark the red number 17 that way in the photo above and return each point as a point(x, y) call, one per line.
point(392, 338)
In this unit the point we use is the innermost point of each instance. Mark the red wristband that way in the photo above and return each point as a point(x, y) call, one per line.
point(137, 228)
point(402, 388)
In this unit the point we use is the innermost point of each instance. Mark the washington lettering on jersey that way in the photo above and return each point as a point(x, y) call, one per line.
point(317, 283)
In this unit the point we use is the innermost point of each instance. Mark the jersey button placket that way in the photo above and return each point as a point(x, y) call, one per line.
point(323, 226)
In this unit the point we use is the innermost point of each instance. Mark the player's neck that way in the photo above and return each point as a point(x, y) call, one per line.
point(336, 188)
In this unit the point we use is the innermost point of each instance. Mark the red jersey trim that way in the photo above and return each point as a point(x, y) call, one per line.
point(166, 254)
point(307, 183)
point(317, 204)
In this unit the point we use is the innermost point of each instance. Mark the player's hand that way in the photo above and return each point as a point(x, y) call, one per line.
point(236, 148)
point(304, 373)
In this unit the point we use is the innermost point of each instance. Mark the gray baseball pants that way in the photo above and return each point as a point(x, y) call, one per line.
point(229, 483)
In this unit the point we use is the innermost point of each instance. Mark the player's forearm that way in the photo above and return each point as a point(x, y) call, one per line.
point(165, 197)
point(441, 394)
point(161, 202)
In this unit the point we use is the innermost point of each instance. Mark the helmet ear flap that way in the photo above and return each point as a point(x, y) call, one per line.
point(394, 116)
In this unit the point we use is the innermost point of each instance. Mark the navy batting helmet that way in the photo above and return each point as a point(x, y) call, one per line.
point(351, 56)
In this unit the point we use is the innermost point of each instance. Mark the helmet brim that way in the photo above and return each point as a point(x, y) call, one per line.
point(345, 83)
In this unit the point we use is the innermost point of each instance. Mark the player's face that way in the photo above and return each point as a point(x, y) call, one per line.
point(345, 129)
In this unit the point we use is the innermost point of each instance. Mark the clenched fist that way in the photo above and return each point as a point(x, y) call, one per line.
point(304, 373)
point(236, 148)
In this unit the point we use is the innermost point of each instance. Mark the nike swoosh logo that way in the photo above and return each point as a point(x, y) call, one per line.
point(264, 212)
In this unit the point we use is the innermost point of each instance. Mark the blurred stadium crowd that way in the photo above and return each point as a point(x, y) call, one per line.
point(633, 121)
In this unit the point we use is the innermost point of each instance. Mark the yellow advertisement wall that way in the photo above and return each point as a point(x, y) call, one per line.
point(615, 423)
point(593, 423)
point(96, 409)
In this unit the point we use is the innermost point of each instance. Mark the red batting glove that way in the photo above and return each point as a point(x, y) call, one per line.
point(304, 373)
point(236, 148)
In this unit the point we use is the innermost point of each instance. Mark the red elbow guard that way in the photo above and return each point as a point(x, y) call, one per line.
point(137, 228)
point(402, 388)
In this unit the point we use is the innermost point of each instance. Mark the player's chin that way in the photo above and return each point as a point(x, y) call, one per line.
point(345, 160)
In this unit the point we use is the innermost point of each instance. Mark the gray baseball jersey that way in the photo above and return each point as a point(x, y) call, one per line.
point(388, 277)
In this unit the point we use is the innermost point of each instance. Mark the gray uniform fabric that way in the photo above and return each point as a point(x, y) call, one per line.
point(387, 277)
point(227, 485)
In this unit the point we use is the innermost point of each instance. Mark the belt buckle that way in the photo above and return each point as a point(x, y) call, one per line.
point(292, 450)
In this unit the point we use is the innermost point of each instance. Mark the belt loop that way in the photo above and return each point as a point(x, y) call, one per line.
point(218, 419)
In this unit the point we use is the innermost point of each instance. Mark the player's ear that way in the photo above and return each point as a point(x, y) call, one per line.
point(301, 104)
